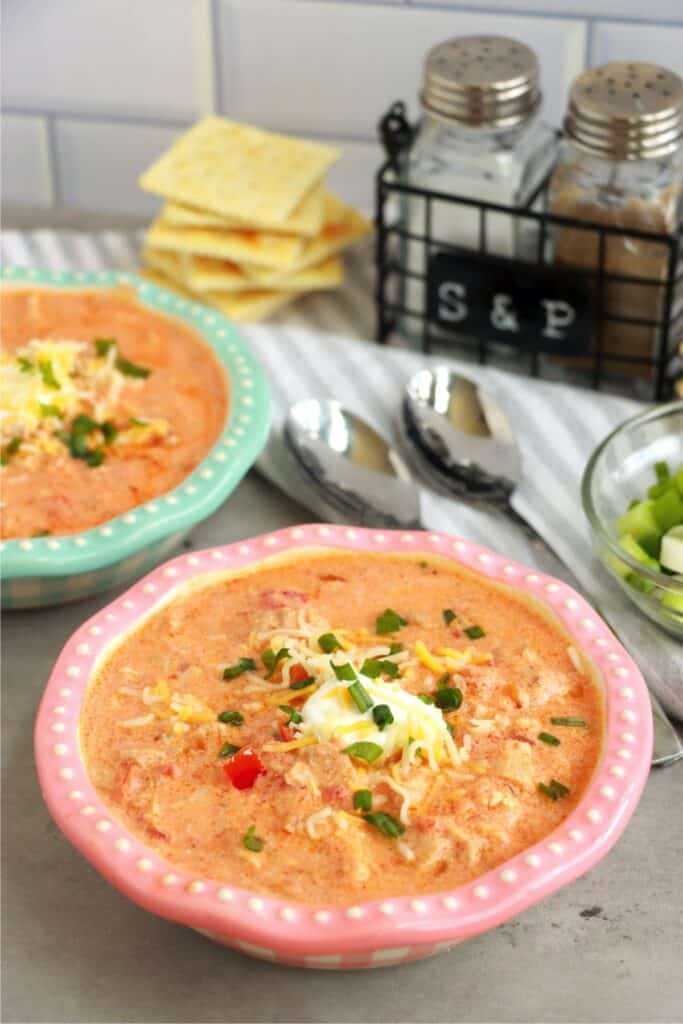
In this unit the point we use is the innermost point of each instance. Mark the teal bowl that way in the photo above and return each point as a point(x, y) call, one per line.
point(53, 570)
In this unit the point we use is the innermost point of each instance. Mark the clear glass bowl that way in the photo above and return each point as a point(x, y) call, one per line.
point(620, 469)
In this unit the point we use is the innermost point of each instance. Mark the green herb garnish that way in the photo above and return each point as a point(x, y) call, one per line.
point(382, 715)
point(49, 410)
point(360, 696)
point(271, 659)
point(578, 723)
point(365, 750)
point(474, 632)
point(389, 622)
point(294, 715)
point(103, 347)
point(231, 718)
point(344, 672)
point(48, 374)
point(251, 840)
point(374, 667)
point(228, 749)
point(448, 616)
point(395, 648)
point(240, 666)
point(385, 823)
point(328, 643)
point(425, 698)
point(301, 683)
point(555, 790)
point(362, 800)
point(448, 698)
point(109, 431)
point(25, 365)
point(10, 449)
point(547, 737)
point(443, 680)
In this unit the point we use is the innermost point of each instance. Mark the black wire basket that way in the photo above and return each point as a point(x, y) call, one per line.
point(531, 313)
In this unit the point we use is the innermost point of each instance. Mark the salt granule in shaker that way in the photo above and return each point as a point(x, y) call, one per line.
point(621, 165)
point(480, 137)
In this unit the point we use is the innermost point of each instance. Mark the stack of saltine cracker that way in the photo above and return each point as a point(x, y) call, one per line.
point(248, 223)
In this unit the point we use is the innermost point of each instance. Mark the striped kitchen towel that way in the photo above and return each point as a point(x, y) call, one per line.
point(313, 349)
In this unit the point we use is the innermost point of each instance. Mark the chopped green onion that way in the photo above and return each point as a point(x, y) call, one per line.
point(271, 660)
point(328, 643)
point(104, 345)
point(474, 632)
point(360, 696)
point(25, 365)
point(294, 715)
point(425, 698)
point(389, 622)
point(240, 666)
point(555, 790)
point(48, 375)
point(251, 840)
point(385, 823)
point(395, 648)
point(662, 470)
point(373, 667)
point(10, 449)
point(382, 715)
point(109, 431)
point(448, 698)
point(227, 750)
point(578, 723)
point(448, 616)
point(547, 737)
point(365, 750)
point(450, 728)
point(94, 458)
point(344, 672)
point(49, 410)
point(443, 680)
point(301, 683)
point(129, 369)
point(135, 421)
point(362, 800)
point(231, 718)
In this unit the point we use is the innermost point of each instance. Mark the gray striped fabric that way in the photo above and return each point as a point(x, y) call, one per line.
point(312, 348)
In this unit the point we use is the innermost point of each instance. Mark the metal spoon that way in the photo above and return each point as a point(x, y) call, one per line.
point(351, 473)
point(461, 443)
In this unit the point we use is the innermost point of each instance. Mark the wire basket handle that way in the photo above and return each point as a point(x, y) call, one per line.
point(395, 131)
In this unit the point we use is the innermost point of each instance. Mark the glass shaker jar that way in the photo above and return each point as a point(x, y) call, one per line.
point(480, 137)
point(621, 166)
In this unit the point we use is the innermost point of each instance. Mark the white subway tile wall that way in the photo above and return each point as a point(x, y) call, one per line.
point(92, 92)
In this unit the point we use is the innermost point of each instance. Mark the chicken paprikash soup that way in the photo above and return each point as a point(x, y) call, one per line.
point(335, 726)
point(104, 404)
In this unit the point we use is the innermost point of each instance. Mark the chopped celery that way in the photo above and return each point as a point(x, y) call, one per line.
point(674, 602)
point(668, 510)
point(634, 549)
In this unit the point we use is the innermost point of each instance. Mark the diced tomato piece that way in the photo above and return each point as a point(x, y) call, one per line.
point(297, 673)
point(244, 768)
point(286, 733)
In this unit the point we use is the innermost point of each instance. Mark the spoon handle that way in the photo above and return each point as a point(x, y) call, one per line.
point(668, 747)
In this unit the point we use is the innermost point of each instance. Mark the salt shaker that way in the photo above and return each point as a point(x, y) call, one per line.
point(481, 137)
point(620, 165)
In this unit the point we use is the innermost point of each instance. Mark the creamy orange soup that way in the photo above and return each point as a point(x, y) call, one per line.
point(104, 404)
point(340, 726)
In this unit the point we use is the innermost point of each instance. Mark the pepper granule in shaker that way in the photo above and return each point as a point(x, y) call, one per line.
point(620, 166)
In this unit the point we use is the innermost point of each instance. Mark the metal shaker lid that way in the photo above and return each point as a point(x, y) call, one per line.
point(626, 111)
point(481, 82)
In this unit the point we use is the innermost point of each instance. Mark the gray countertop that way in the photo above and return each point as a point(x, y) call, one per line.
point(607, 948)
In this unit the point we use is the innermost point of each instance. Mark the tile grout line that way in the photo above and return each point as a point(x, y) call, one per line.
point(217, 56)
point(134, 120)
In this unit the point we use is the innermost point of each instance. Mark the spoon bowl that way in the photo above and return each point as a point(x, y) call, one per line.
point(349, 468)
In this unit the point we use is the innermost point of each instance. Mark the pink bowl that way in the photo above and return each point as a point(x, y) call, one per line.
point(378, 932)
